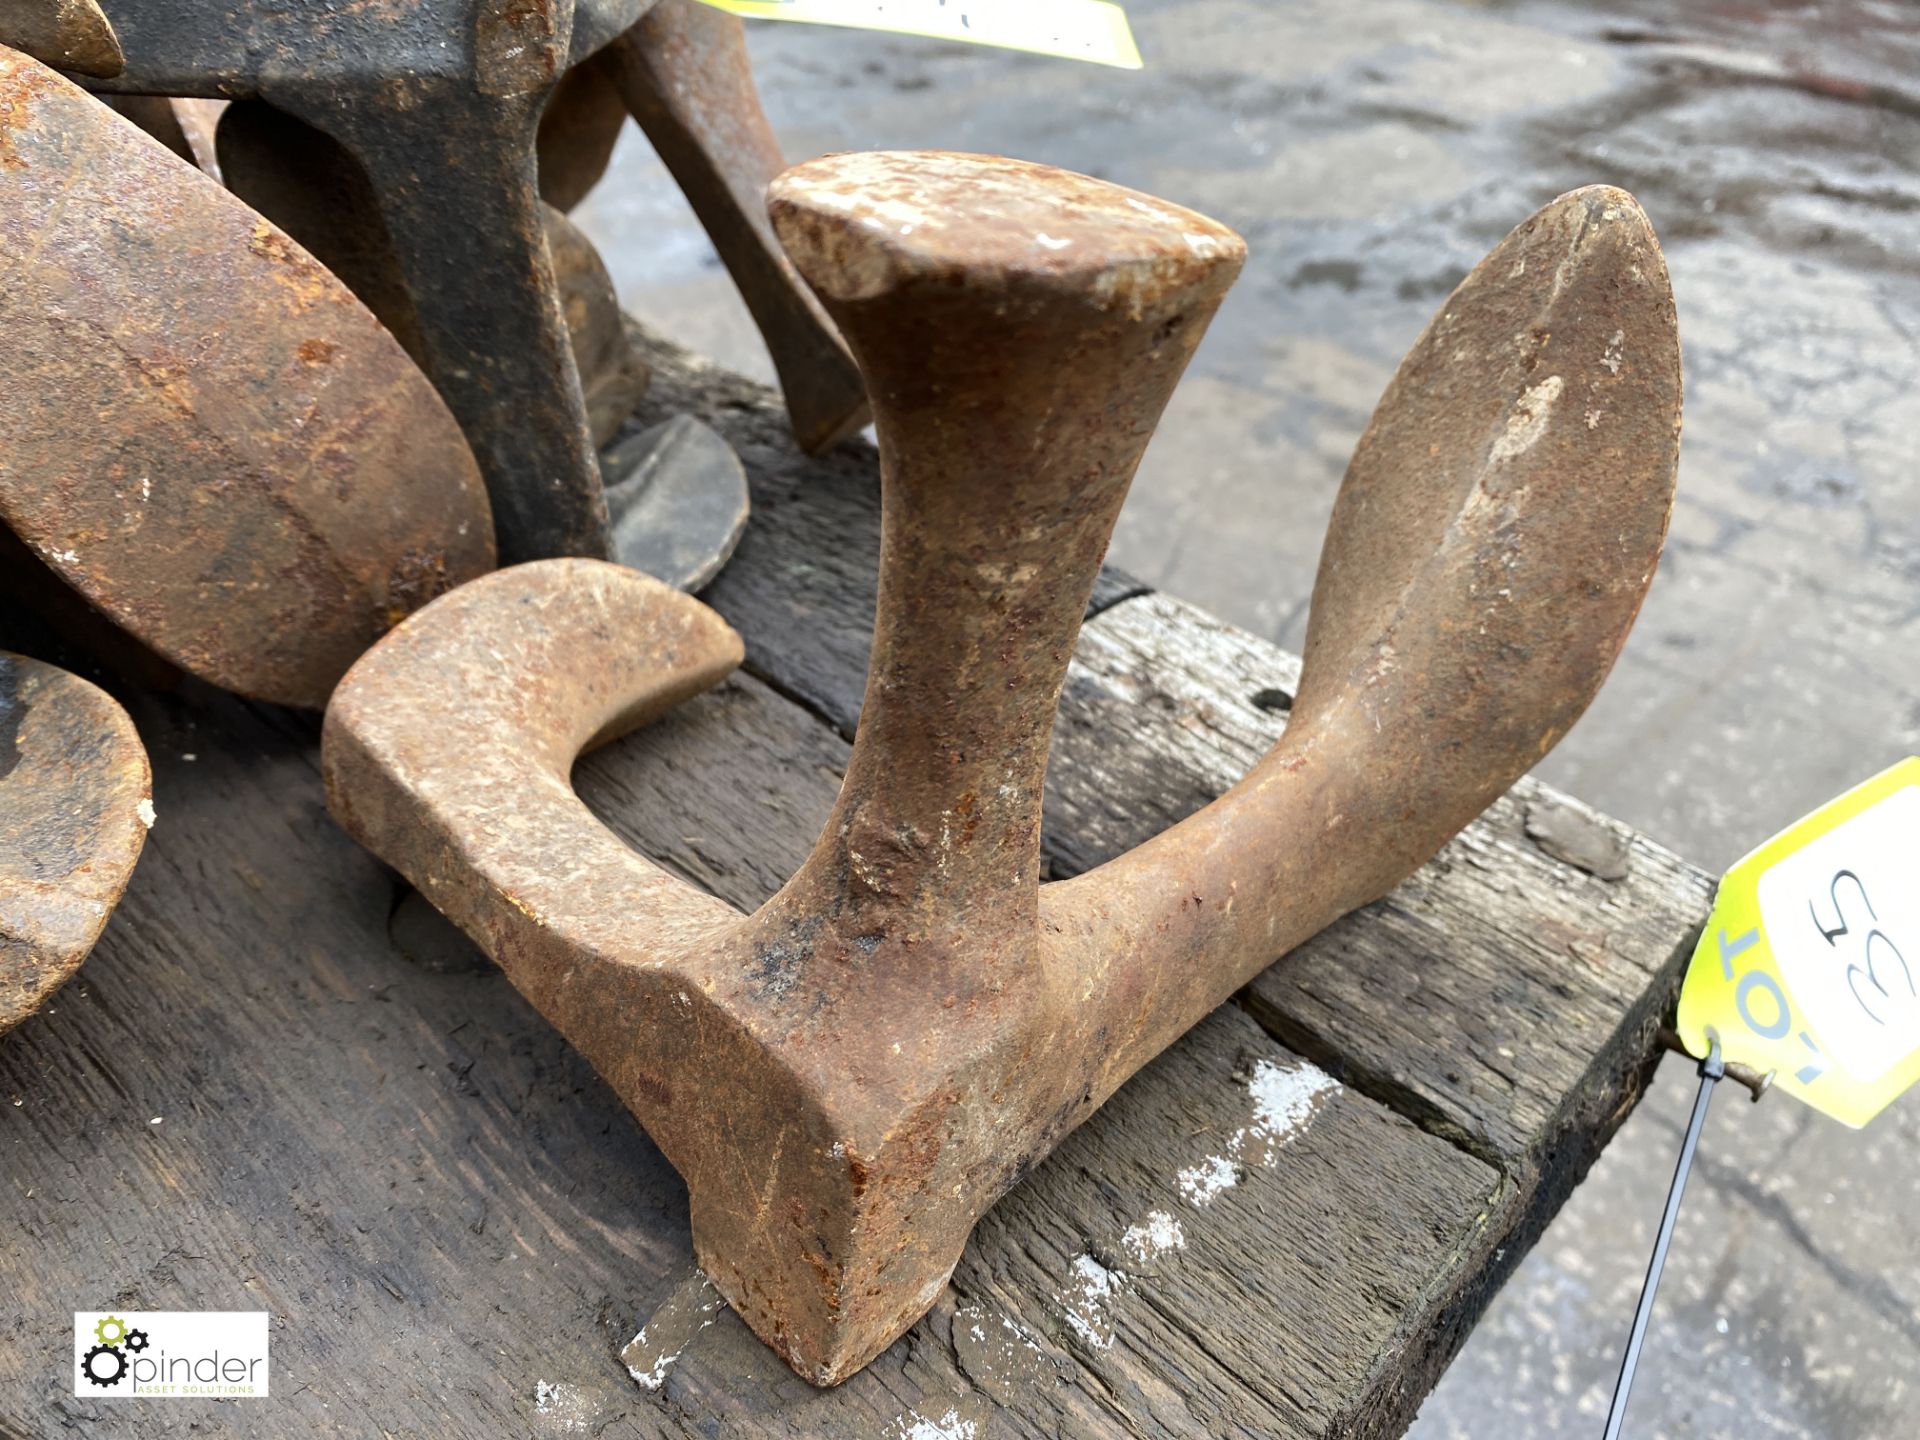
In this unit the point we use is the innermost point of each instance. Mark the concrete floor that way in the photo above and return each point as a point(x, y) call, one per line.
point(1370, 153)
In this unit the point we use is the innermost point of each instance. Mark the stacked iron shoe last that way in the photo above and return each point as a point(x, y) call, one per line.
point(214, 458)
point(205, 434)
point(77, 797)
point(217, 460)
point(375, 143)
point(849, 1077)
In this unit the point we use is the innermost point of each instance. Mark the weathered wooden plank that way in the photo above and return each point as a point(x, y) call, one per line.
point(445, 1211)
point(1229, 1178)
point(248, 1100)
point(365, 1131)
point(1340, 1279)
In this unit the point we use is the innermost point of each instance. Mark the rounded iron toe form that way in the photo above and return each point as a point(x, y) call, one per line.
point(76, 797)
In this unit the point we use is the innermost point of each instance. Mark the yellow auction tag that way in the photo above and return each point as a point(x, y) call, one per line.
point(1090, 30)
point(1810, 964)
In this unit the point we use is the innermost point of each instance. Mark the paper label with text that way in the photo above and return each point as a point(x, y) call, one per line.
point(1091, 30)
point(1810, 963)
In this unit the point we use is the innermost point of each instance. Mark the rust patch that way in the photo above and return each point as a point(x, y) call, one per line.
point(520, 45)
point(206, 435)
point(272, 244)
point(418, 576)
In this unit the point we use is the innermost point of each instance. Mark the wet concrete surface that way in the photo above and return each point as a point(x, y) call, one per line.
point(1370, 154)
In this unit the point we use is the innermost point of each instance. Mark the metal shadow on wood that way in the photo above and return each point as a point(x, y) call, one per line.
point(849, 1077)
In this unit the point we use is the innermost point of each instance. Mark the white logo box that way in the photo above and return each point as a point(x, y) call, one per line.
point(169, 1354)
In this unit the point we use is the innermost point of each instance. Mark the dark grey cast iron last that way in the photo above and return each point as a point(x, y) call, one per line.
point(676, 496)
point(310, 186)
point(439, 101)
point(850, 1076)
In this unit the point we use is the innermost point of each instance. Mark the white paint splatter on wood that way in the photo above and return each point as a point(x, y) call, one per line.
point(949, 1424)
point(995, 1352)
point(1204, 1183)
point(1090, 1291)
point(1285, 1099)
point(1153, 1237)
point(565, 1406)
point(693, 1306)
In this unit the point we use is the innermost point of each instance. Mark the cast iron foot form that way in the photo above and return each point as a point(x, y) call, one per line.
point(77, 798)
point(851, 1076)
point(201, 430)
point(67, 34)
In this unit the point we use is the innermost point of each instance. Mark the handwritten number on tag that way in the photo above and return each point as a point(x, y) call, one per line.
point(1809, 965)
point(1834, 890)
point(1876, 936)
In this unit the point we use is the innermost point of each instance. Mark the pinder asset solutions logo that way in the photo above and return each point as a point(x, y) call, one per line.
point(169, 1354)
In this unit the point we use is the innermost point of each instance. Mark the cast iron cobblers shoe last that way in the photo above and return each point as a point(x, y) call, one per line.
point(849, 1077)
point(76, 799)
point(203, 432)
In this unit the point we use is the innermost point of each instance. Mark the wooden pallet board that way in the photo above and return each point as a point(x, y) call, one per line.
point(283, 1083)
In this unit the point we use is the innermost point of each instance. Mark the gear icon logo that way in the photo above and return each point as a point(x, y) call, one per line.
point(108, 1362)
point(104, 1365)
